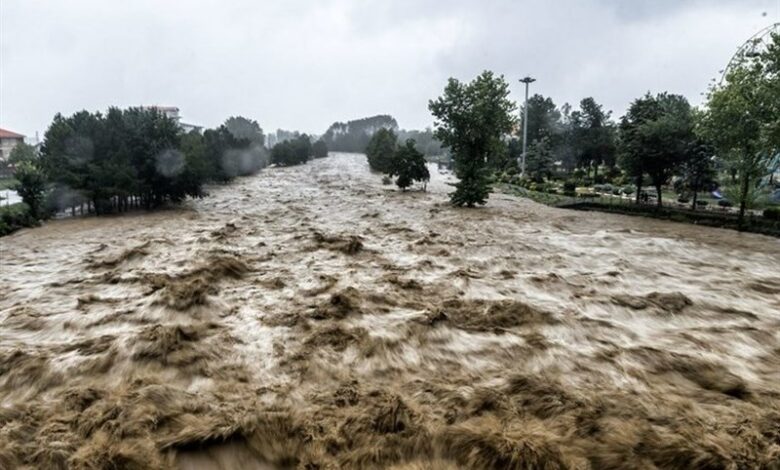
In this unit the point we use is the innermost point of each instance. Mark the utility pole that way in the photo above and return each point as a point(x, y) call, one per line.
point(527, 81)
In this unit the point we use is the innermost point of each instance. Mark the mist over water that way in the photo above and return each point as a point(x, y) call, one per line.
point(310, 315)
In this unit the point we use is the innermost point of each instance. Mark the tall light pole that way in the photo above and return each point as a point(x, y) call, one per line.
point(527, 81)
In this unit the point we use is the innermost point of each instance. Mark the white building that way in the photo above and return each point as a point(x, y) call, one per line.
point(8, 140)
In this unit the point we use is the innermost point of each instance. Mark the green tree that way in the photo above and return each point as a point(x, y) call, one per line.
point(22, 152)
point(408, 165)
point(592, 136)
point(471, 120)
point(380, 150)
point(544, 118)
point(31, 186)
point(319, 149)
point(292, 152)
point(243, 128)
point(656, 135)
point(697, 170)
point(539, 164)
point(742, 118)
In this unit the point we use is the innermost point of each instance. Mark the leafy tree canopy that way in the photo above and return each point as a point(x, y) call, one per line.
point(408, 165)
point(471, 120)
point(380, 150)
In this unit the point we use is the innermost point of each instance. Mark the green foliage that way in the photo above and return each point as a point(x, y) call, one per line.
point(592, 135)
point(31, 187)
point(471, 119)
point(656, 136)
point(228, 156)
point(246, 129)
point(21, 153)
point(772, 213)
point(408, 165)
point(424, 141)
point(319, 149)
point(15, 217)
point(380, 150)
point(698, 169)
point(742, 118)
point(539, 161)
point(292, 152)
point(544, 118)
point(139, 157)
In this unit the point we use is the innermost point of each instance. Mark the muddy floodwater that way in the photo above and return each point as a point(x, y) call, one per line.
point(309, 317)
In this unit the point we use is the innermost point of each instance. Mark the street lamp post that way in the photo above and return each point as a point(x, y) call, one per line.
point(527, 81)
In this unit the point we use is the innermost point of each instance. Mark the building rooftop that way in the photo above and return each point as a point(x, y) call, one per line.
point(6, 134)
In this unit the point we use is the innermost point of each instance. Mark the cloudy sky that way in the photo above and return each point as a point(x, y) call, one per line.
point(298, 64)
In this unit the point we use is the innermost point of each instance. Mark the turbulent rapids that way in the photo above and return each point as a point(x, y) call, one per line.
point(309, 317)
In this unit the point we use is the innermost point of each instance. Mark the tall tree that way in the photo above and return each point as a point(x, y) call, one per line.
point(544, 118)
point(592, 135)
point(408, 165)
point(243, 128)
point(540, 160)
point(656, 134)
point(742, 118)
point(697, 170)
point(31, 186)
point(380, 150)
point(471, 119)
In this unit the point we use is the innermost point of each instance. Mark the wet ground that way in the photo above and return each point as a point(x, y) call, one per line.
point(310, 317)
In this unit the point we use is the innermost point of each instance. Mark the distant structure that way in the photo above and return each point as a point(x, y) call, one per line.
point(8, 140)
point(172, 112)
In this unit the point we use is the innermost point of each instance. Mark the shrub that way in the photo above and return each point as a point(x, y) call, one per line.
point(387, 180)
point(725, 203)
point(569, 186)
point(14, 217)
point(628, 189)
point(772, 213)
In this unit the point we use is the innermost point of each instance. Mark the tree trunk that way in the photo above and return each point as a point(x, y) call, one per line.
point(695, 197)
point(658, 190)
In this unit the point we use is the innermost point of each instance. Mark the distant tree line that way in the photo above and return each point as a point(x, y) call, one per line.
point(353, 136)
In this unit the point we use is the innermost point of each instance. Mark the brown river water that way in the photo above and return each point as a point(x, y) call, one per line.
point(309, 317)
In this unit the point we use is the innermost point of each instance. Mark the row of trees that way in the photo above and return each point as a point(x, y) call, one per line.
point(297, 151)
point(131, 158)
point(659, 137)
point(404, 162)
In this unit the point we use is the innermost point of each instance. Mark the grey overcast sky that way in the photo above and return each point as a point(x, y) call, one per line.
point(302, 65)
